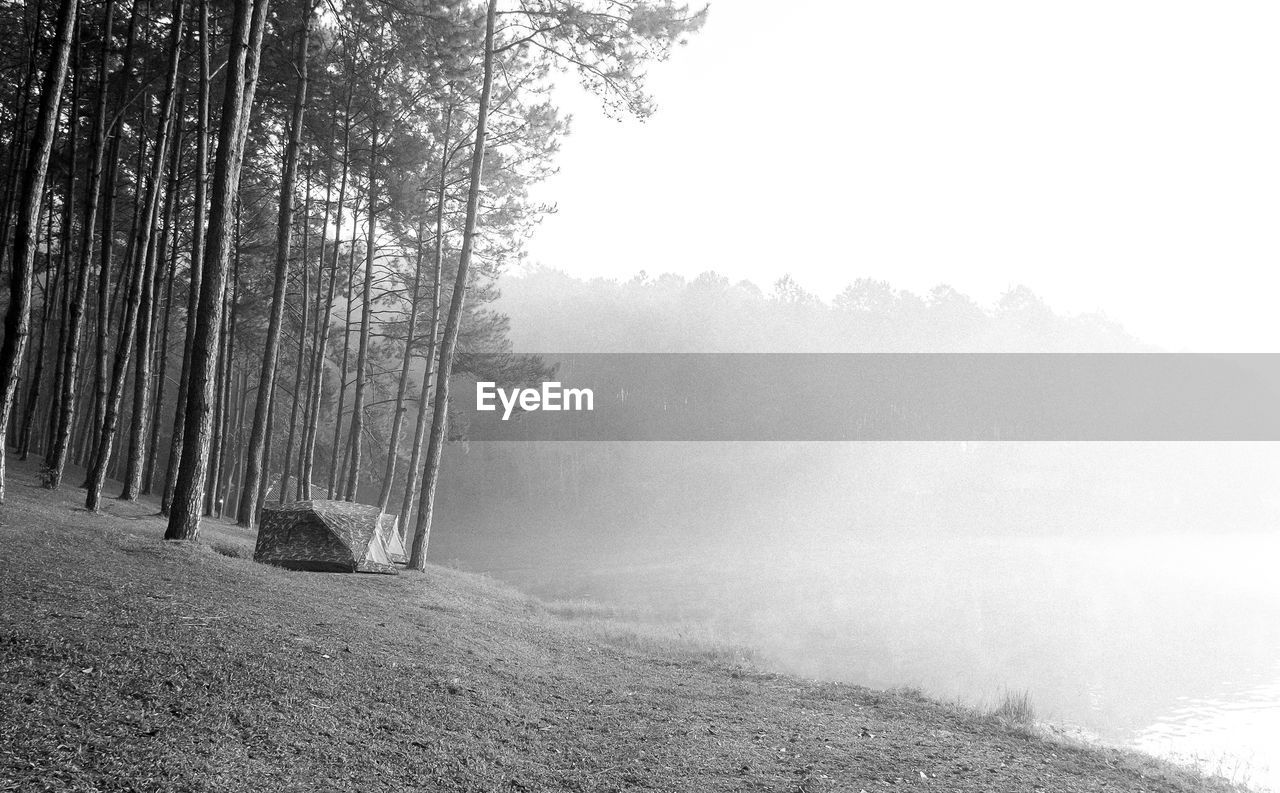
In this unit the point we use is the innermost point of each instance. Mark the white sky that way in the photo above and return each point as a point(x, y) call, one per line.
point(1120, 156)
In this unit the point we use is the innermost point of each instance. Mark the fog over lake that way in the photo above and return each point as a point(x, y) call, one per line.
point(1129, 588)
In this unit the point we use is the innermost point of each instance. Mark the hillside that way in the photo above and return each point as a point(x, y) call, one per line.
point(130, 664)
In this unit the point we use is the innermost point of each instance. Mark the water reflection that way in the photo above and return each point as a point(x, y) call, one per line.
point(1234, 735)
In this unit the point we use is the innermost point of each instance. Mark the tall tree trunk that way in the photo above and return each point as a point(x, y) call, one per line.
point(246, 38)
point(84, 403)
point(68, 265)
point(402, 388)
point(134, 258)
point(221, 467)
point(165, 276)
point(23, 409)
point(64, 310)
point(303, 329)
point(56, 461)
point(52, 285)
point(151, 281)
point(229, 429)
point(318, 318)
point(418, 556)
point(219, 411)
point(304, 256)
point(162, 368)
point(325, 322)
point(62, 285)
point(266, 380)
point(110, 187)
point(194, 288)
point(17, 320)
point(413, 476)
point(338, 468)
point(18, 137)
point(366, 314)
point(140, 280)
point(139, 417)
point(218, 438)
point(121, 292)
point(234, 444)
point(264, 480)
point(302, 368)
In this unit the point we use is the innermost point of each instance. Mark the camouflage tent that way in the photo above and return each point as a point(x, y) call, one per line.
point(329, 536)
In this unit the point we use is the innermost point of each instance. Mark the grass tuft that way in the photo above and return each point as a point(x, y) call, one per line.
point(1016, 708)
point(912, 693)
point(231, 550)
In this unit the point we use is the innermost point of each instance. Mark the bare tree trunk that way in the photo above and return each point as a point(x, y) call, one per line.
point(162, 368)
point(230, 429)
point(413, 476)
point(219, 443)
point(67, 264)
point(121, 294)
point(302, 367)
point(52, 283)
point(139, 417)
point(84, 403)
point(249, 505)
point(325, 322)
point(49, 419)
point(18, 138)
point(402, 388)
point(246, 38)
point(110, 186)
point(165, 276)
point(264, 480)
point(366, 316)
point(426, 506)
point(338, 467)
point(23, 409)
point(238, 402)
point(194, 288)
point(151, 279)
point(61, 279)
point(219, 411)
point(139, 278)
point(17, 320)
point(132, 261)
point(305, 327)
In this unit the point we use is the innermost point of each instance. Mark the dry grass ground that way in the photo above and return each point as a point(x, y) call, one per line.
point(127, 663)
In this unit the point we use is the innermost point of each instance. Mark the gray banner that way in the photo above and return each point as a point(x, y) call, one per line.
point(881, 397)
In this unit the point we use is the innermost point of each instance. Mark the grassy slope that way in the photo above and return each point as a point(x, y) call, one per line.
point(130, 664)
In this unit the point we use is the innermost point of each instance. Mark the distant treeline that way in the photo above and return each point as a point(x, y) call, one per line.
point(551, 311)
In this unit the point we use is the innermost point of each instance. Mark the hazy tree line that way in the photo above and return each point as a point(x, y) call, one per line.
point(577, 507)
point(246, 243)
point(710, 313)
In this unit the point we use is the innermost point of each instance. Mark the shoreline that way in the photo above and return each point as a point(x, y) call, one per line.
point(167, 665)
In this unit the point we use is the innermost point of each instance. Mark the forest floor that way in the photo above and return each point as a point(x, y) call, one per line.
point(128, 663)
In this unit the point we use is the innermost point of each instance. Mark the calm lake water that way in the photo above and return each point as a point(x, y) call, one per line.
point(1166, 643)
